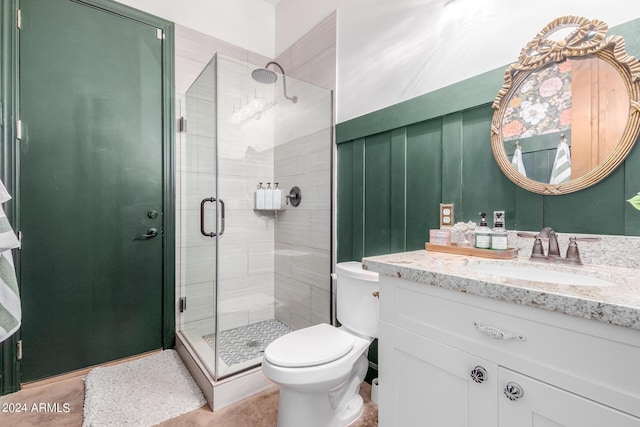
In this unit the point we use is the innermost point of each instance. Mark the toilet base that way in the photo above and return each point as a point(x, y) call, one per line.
point(333, 408)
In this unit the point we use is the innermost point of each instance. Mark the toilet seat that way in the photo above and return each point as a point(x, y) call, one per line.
point(312, 346)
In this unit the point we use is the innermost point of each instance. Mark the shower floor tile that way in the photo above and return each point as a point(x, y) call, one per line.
point(245, 343)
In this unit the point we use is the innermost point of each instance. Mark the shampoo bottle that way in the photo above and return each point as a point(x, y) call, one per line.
point(483, 233)
point(268, 197)
point(277, 197)
point(260, 197)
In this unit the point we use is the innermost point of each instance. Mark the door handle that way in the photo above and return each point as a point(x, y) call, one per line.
point(221, 217)
point(202, 230)
point(151, 232)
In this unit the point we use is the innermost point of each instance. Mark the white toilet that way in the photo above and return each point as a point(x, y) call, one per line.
point(320, 368)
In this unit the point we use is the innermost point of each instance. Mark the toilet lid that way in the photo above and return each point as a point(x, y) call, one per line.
point(310, 346)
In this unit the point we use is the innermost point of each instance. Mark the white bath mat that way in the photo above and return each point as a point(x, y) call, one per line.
point(143, 392)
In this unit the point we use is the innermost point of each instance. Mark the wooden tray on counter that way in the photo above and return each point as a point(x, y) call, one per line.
point(471, 251)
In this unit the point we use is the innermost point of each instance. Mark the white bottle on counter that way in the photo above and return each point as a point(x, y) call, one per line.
point(499, 234)
point(259, 202)
point(483, 233)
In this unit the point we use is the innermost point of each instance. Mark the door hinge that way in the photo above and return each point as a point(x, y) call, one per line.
point(18, 129)
point(183, 304)
point(20, 239)
point(159, 34)
point(19, 19)
point(19, 350)
point(182, 124)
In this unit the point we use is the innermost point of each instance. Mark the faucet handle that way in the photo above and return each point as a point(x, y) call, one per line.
point(586, 239)
point(537, 251)
point(573, 254)
point(528, 235)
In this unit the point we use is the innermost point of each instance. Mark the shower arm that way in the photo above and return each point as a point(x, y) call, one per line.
point(294, 99)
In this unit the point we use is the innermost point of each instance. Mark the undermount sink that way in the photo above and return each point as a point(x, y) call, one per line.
point(539, 273)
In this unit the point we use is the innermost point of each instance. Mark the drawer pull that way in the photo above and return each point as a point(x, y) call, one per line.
point(513, 391)
point(496, 333)
point(479, 374)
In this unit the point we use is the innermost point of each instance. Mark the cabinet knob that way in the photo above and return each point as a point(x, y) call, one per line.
point(513, 391)
point(479, 374)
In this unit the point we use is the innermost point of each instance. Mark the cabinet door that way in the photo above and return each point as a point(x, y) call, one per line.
point(542, 405)
point(426, 383)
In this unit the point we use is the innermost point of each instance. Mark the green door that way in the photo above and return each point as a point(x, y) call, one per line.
point(90, 187)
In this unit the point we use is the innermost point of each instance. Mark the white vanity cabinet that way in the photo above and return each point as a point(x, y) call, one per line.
point(438, 368)
point(429, 383)
point(549, 406)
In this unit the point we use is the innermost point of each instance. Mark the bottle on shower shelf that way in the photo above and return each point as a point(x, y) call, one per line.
point(277, 197)
point(268, 197)
point(259, 202)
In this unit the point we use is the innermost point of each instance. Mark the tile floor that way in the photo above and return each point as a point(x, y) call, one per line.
point(66, 397)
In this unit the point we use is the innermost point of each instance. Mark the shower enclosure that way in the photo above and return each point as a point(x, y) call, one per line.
point(246, 276)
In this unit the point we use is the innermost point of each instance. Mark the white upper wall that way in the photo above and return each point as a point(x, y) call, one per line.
point(389, 51)
point(405, 48)
point(294, 18)
point(249, 24)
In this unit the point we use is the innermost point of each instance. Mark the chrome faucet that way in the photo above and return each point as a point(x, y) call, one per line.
point(553, 249)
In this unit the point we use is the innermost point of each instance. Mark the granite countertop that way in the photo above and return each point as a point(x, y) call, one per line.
point(617, 305)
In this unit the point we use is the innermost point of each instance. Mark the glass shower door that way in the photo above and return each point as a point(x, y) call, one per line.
point(245, 294)
point(258, 273)
point(199, 213)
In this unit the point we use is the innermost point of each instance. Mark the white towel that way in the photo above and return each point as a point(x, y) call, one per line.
point(10, 311)
point(516, 161)
point(4, 194)
point(561, 171)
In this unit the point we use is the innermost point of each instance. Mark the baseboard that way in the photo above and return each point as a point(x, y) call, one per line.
point(84, 371)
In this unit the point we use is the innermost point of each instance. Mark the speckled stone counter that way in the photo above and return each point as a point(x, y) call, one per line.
point(617, 305)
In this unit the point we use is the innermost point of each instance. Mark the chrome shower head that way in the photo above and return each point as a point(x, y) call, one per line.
point(262, 75)
point(266, 76)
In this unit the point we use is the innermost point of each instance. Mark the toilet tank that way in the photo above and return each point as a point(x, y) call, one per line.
point(357, 307)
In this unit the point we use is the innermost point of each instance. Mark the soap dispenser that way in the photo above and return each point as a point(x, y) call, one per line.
point(499, 234)
point(268, 197)
point(277, 197)
point(259, 200)
point(483, 233)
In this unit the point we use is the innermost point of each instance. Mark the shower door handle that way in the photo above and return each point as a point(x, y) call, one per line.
point(221, 217)
point(222, 214)
point(202, 203)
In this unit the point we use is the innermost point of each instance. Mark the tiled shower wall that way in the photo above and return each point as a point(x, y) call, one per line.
point(303, 234)
point(300, 237)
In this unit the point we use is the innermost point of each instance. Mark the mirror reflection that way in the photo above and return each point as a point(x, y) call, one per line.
point(568, 112)
point(587, 95)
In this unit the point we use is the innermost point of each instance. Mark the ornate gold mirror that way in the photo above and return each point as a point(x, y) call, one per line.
point(568, 112)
